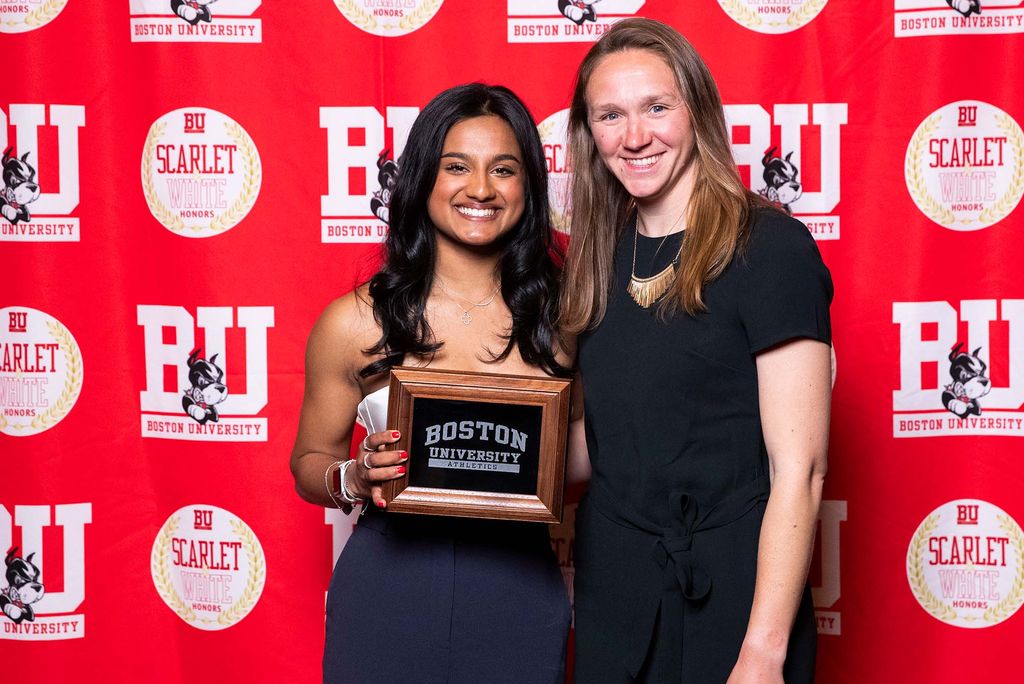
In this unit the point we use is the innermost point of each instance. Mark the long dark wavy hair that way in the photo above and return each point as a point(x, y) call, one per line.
point(529, 275)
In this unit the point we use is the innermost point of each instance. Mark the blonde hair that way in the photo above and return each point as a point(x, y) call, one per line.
point(721, 207)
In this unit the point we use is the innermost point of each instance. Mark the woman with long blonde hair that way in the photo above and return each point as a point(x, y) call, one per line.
point(703, 320)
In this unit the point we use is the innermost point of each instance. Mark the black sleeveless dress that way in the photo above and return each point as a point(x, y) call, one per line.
point(667, 536)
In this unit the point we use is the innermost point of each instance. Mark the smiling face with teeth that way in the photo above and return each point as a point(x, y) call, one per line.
point(641, 128)
point(479, 193)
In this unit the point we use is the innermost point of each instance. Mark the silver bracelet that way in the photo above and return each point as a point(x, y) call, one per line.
point(346, 495)
point(330, 489)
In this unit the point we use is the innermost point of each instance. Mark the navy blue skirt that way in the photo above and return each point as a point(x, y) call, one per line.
point(430, 599)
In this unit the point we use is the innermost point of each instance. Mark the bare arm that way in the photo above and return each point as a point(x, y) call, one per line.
point(333, 358)
point(577, 467)
point(794, 392)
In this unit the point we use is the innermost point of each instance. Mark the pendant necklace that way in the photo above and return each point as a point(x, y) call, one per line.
point(646, 291)
point(466, 317)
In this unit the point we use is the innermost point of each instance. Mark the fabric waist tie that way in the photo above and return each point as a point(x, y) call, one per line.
point(682, 577)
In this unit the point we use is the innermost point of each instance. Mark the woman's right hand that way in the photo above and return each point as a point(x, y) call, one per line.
point(375, 466)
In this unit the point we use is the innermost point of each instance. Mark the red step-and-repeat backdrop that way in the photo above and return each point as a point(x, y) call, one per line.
point(203, 175)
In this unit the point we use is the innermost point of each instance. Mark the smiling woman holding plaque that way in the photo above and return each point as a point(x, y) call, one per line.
point(468, 284)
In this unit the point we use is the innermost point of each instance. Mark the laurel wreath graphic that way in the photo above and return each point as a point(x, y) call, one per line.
point(160, 212)
point(420, 16)
point(257, 573)
point(1013, 600)
point(162, 575)
point(356, 14)
point(915, 179)
point(72, 379)
point(915, 573)
point(251, 181)
point(72, 383)
point(39, 17)
point(805, 12)
point(1005, 204)
point(741, 14)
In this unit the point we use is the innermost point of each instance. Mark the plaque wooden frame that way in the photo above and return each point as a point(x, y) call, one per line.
point(551, 394)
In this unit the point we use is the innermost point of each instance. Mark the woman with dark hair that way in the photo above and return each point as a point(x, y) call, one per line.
point(703, 316)
point(468, 283)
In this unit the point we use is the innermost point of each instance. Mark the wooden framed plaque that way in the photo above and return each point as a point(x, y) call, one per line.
point(481, 445)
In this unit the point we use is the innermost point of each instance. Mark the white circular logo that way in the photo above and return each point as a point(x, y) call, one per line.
point(554, 134)
point(201, 172)
point(40, 371)
point(208, 566)
point(965, 564)
point(773, 16)
point(19, 16)
point(965, 165)
point(389, 17)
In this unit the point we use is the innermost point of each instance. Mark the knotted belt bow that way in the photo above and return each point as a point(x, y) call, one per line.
point(672, 551)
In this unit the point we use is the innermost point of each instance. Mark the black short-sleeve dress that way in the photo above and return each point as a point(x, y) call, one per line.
point(667, 535)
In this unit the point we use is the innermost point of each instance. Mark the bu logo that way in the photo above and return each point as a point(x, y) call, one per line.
point(967, 115)
point(778, 160)
point(198, 405)
point(967, 514)
point(30, 178)
point(359, 173)
point(30, 611)
point(944, 372)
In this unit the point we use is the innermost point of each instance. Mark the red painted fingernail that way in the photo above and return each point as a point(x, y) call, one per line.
point(381, 504)
point(404, 454)
point(396, 434)
point(401, 470)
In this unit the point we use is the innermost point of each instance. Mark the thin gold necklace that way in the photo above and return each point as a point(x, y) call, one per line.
point(646, 291)
point(466, 318)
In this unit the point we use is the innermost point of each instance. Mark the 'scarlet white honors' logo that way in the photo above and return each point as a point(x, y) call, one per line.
point(197, 406)
point(773, 16)
point(18, 16)
point(41, 593)
point(776, 167)
point(957, 17)
point(362, 146)
point(30, 211)
point(946, 384)
point(195, 21)
point(208, 566)
point(554, 134)
point(40, 371)
point(565, 21)
point(389, 17)
point(965, 165)
point(201, 172)
point(965, 564)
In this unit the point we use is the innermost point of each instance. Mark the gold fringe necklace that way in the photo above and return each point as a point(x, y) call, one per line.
point(646, 291)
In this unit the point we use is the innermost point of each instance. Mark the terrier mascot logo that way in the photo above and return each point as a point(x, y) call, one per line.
point(387, 175)
point(969, 382)
point(20, 187)
point(578, 11)
point(24, 587)
point(779, 175)
point(206, 390)
point(193, 11)
point(965, 7)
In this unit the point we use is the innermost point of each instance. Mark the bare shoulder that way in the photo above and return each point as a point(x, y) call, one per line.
point(344, 330)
